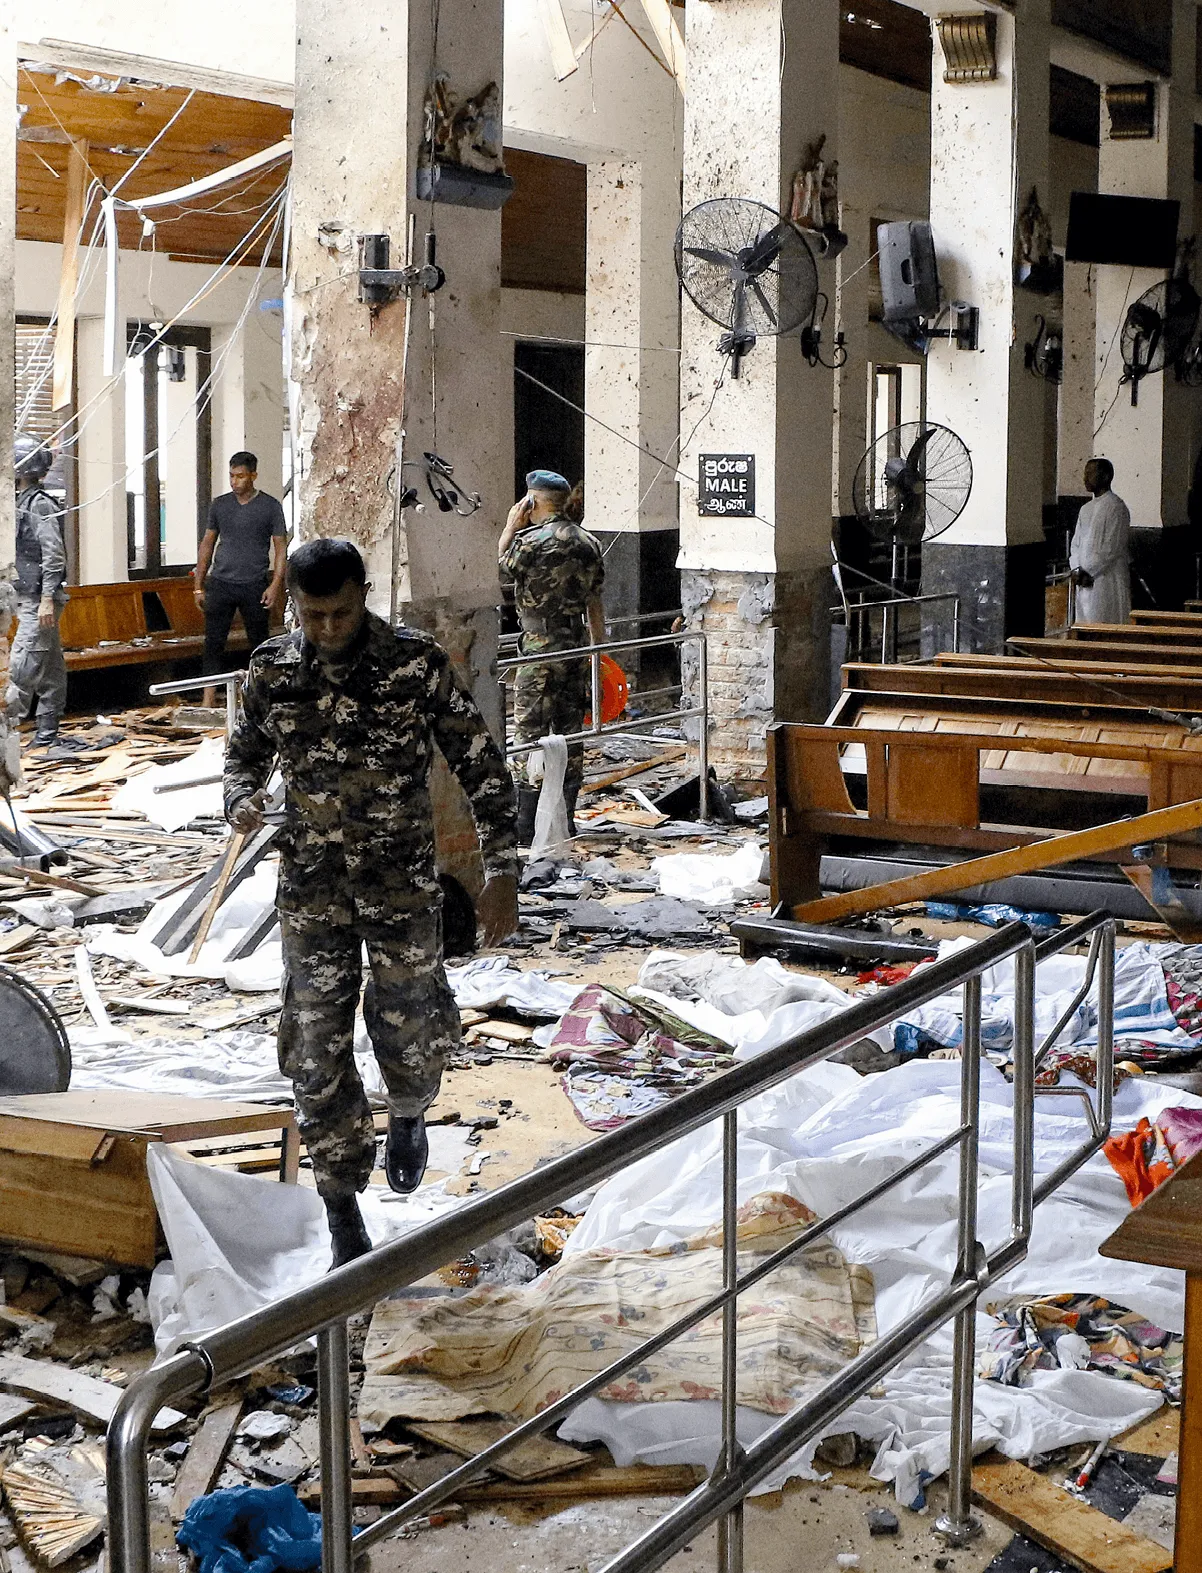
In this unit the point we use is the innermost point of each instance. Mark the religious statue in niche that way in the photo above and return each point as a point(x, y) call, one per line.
point(464, 132)
point(815, 204)
point(1039, 268)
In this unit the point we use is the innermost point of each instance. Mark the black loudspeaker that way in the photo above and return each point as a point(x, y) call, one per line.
point(909, 275)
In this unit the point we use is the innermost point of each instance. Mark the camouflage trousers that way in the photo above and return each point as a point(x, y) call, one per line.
point(36, 666)
point(412, 1021)
point(549, 699)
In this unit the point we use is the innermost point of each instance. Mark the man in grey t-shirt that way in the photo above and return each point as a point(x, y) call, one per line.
point(241, 564)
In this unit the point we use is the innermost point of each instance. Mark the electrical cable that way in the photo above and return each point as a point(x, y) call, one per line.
point(203, 394)
point(1063, 667)
point(215, 278)
point(590, 344)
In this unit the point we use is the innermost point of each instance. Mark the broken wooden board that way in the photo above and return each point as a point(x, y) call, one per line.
point(1044, 1512)
point(534, 1459)
point(85, 1396)
point(205, 1457)
point(53, 1516)
point(14, 1410)
point(1051, 852)
point(1159, 1436)
point(600, 1480)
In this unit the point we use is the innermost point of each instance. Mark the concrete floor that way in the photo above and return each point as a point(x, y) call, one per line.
point(800, 1530)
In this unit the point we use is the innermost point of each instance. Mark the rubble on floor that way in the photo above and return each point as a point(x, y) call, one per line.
point(621, 989)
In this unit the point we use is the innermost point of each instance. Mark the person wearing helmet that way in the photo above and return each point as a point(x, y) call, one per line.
point(558, 572)
point(36, 665)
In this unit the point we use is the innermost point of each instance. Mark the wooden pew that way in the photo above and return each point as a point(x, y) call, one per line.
point(140, 622)
point(1167, 619)
point(1117, 655)
point(1136, 633)
point(1024, 678)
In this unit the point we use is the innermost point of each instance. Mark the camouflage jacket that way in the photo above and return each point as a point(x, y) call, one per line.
point(41, 555)
point(355, 745)
point(557, 568)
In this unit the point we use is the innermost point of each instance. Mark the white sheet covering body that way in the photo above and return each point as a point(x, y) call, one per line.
point(826, 1136)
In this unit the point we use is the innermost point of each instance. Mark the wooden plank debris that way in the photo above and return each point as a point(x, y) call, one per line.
point(535, 1459)
point(205, 1457)
point(50, 1518)
point(86, 1396)
point(1048, 853)
point(600, 1480)
point(237, 841)
point(1070, 1529)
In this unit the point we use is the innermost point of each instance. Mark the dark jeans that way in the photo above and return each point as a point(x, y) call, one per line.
point(222, 600)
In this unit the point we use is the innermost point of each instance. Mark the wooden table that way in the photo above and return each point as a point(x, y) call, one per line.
point(73, 1165)
point(1166, 1231)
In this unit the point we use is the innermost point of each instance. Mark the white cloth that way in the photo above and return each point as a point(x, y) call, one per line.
point(825, 1136)
point(1101, 546)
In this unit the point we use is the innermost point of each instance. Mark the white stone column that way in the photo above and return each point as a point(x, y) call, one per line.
point(248, 399)
point(760, 587)
point(632, 364)
point(989, 147)
point(1077, 385)
point(103, 533)
point(361, 80)
point(1149, 443)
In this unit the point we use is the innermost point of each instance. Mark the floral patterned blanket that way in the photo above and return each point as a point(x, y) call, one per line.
point(513, 1351)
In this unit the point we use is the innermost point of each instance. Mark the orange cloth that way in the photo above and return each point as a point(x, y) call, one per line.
point(1142, 1160)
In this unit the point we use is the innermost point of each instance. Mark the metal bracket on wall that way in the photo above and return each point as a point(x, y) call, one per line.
point(379, 284)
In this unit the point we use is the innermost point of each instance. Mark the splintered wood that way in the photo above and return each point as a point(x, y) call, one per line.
point(50, 1518)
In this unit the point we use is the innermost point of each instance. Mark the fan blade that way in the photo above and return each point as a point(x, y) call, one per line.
point(721, 259)
point(763, 300)
point(765, 251)
point(917, 453)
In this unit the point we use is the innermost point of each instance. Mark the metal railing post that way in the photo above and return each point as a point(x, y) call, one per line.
point(333, 1397)
point(956, 624)
point(730, 1527)
point(1022, 1200)
point(703, 735)
point(957, 1524)
point(231, 705)
point(595, 682)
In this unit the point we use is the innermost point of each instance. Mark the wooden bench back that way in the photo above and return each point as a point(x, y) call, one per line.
point(129, 610)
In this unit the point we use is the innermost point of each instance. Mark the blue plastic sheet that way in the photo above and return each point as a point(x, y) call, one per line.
point(994, 913)
point(249, 1529)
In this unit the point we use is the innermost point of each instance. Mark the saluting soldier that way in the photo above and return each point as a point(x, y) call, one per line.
point(352, 710)
point(558, 573)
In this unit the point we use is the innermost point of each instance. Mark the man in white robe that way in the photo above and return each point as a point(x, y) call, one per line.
point(1100, 555)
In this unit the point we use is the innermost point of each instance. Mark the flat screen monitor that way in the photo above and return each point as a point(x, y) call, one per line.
point(1133, 232)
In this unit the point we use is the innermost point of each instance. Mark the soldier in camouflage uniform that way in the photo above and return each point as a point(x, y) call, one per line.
point(558, 573)
point(352, 709)
point(36, 664)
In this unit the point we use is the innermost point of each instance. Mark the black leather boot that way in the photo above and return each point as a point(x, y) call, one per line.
point(405, 1152)
point(527, 806)
point(349, 1238)
point(570, 793)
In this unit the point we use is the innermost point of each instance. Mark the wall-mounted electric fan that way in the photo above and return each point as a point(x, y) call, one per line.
point(1157, 330)
point(747, 269)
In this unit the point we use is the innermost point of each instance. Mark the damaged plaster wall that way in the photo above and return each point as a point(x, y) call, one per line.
point(765, 635)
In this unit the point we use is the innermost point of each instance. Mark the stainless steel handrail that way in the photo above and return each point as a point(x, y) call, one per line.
point(324, 1307)
point(594, 652)
point(229, 679)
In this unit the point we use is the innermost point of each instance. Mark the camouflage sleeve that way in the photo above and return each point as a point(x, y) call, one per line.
point(468, 747)
point(250, 752)
point(596, 573)
point(514, 559)
point(50, 539)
